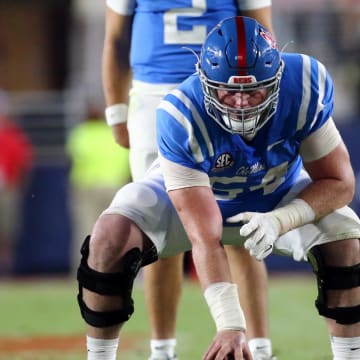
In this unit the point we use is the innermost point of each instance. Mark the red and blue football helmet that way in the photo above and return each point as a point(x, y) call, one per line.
point(240, 55)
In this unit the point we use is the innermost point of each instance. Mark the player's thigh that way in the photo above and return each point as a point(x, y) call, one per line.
point(147, 204)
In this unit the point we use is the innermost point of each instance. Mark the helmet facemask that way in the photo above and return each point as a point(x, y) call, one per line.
point(247, 120)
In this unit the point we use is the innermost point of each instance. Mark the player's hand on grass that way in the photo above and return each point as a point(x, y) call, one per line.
point(261, 230)
point(228, 345)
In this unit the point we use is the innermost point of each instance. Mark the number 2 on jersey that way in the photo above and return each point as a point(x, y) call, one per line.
point(172, 35)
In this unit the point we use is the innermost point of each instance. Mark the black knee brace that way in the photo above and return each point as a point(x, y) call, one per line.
point(334, 278)
point(111, 284)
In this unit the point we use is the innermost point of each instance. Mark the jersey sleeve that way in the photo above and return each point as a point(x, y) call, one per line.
point(173, 136)
point(179, 177)
point(253, 4)
point(321, 142)
point(181, 135)
point(317, 96)
point(122, 7)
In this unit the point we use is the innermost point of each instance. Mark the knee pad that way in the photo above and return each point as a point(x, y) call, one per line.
point(334, 278)
point(111, 284)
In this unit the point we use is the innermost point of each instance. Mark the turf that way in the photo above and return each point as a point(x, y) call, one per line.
point(48, 308)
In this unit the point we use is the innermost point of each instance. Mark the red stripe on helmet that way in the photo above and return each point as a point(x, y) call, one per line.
point(240, 29)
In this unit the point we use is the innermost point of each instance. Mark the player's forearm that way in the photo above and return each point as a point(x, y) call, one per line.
point(326, 195)
point(116, 76)
point(220, 292)
point(202, 221)
point(262, 15)
point(317, 200)
point(211, 264)
point(116, 70)
point(333, 183)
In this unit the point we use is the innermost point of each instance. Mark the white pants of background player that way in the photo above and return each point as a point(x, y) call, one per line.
point(144, 99)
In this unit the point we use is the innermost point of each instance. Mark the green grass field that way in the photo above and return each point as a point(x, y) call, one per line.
point(48, 308)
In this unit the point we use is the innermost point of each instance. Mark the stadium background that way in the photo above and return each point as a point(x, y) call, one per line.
point(50, 65)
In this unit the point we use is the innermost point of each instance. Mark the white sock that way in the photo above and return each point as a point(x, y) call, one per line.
point(101, 349)
point(345, 348)
point(162, 347)
point(260, 348)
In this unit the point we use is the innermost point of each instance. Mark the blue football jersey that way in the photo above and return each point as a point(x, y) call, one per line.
point(255, 175)
point(163, 31)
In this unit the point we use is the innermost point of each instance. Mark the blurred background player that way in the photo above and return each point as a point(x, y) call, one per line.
point(98, 167)
point(16, 161)
point(146, 50)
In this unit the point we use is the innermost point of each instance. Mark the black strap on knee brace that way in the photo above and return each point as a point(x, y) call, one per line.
point(342, 315)
point(334, 278)
point(337, 278)
point(111, 284)
point(150, 255)
point(103, 319)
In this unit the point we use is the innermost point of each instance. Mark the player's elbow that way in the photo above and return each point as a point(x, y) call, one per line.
point(349, 188)
point(345, 190)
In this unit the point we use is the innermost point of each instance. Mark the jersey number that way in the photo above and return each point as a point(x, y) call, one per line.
point(269, 183)
point(272, 179)
point(172, 35)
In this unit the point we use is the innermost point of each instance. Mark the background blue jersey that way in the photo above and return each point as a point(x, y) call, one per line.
point(251, 176)
point(162, 28)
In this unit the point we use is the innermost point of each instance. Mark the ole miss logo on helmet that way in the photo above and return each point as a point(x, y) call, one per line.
point(268, 38)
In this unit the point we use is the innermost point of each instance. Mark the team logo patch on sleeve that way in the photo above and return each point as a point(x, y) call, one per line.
point(223, 161)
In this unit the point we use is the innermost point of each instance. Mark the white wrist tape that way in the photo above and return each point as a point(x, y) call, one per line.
point(116, 114)
point(223, 301)
point(295, 214)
